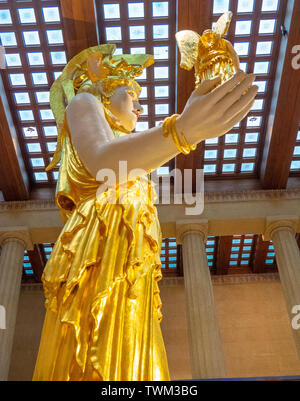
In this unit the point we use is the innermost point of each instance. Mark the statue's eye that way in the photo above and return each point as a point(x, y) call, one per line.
point(132, 94)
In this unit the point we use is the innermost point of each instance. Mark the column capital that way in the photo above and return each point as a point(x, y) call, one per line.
point(19, 233)
point(280, 223)
point(184, 227)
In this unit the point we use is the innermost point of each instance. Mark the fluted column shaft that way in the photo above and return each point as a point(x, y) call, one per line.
point(288, 262)
point(207, 359)
point(11, 263)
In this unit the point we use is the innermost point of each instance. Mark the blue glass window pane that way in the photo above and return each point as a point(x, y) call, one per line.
point(220, 6)
point(246, 248)
point(242, 48)
point(295, 165)
point(248, 241)
point(160, 31)
point(211, 141)
point(209, 257)
point(210, 154)
point(160, 9)
point(26, 115)
point(31, 38)
point(228, 168)
point(245, 255)
point(209, 168)
point(51, 14)
point(245, 6)
point(267, 26)
point(111, 11)
point(51, 146)
point(173, 251)
point(161, 91)
point(113, 33)
point(161, 52)
point(254, 121)
point(22, 98)
point(137, 50)
point(297, 151)
point(231, 138)
point(270, 254)
point(35, 58)
point(269, 5)
point(8, 38)
point(136, 10)
point(55, 175)
point(243, 27)
point(34, 147)
point(58, 57)
point(5, 17)
point(232, 263)
point(29, 271)
point(13, 60)
point(210, 242)
point(264, 48)
point(162, 109)
point(234, 256)
point(26, 15)
point(162, 258)
point(161, 72)
point(244, 262)
point(54, 36)
point(172, 244)
point(235, 248)
point(247, 167)
point(262, 85)
point(37, 162)
point(209, 249)
point(42, 97)
point(172, 259)
point(249, 152)
point(251, 137)
point(41, 176)
point(261, 67)
point(46, 114)
point(29, 132)
point(39, 78)
point(269, 261)
point(172, 265)
point(236, 241)
point(137, 32)
point(230, 153)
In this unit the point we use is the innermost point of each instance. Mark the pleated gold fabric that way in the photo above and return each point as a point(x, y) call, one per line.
point(102, 298)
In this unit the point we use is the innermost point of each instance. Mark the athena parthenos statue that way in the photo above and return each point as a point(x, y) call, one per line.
point(102, 298)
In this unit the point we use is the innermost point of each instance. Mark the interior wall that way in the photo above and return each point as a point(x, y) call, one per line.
point(254, 325)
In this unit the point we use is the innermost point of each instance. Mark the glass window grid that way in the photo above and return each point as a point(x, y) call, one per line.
point(295, 164)
point(242, 251)
point(170, 259)
point(211, 247)
point(152, 117)
point(48, 69)
point(217, 168)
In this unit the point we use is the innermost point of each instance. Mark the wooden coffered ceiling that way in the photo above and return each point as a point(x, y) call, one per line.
point(263, 152)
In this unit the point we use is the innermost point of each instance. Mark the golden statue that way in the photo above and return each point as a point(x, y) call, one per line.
point(210, 54)
point(103, 309)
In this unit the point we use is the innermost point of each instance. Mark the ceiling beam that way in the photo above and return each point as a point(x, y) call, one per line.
point(223, 254)
point(194, 15)
point(79, 23)
point(14, 182)
point(283, 123)
point(37, 260)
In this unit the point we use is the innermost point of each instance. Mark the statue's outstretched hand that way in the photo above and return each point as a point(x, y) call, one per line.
point(212, 111)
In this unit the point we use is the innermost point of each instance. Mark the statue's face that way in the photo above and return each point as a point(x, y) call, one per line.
point(125, 107)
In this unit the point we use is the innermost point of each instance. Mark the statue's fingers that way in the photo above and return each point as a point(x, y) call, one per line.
point(239, 117)
point(217, 94)
point(241, 102)
point(206, 86)
point(227, 101)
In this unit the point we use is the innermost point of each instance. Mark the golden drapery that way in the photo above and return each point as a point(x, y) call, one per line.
point(103, 308)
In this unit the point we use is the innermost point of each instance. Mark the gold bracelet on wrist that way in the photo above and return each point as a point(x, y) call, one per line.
point(181, 143)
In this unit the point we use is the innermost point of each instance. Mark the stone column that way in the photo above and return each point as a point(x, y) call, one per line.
point(282, 232)
point(207, 358)
point(13, 245)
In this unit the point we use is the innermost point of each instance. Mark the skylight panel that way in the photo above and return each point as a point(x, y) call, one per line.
point(220, 6)
point(13, 60)
point(50, 130)
point(137, 50)
point(33, 147)
point(51, 14)
point(27, 15)
point(161, 91)
point(137, 32)
point(267, 26)
point(31, 38)
point(264, 48)
point(26, 115)
point(209, 168)
point(54, 36)
point(142, 126)
point(40, 176)
point(5, 17)
point(46, 114)
point(37, 162)
point(228, 168)
point(261, 67)
point(29, 132)
point(160, 31)
point(251, 137)
point(262, 85)
point(22, 97)
point(161, 72)
point(210, 154)
point(51, 146)
point(39, 78)
point(247, 167)
point(269, 5)
point(111, 11)
point(231, 138)
point(254, 121)
point(162, 109)
point(42, 97)
point(212, 141)
point(161, 52)
point(258, 104)
point(160, 8)
point(245, 6)
point(243, 27)
point(295, 165)
point(242, 48)
point(8, 39)
point(136, 10)
point(35, 58)
point(249, 152)
point(230, 153)
point(297, 151)
point(58, 57)
point(113, 33)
